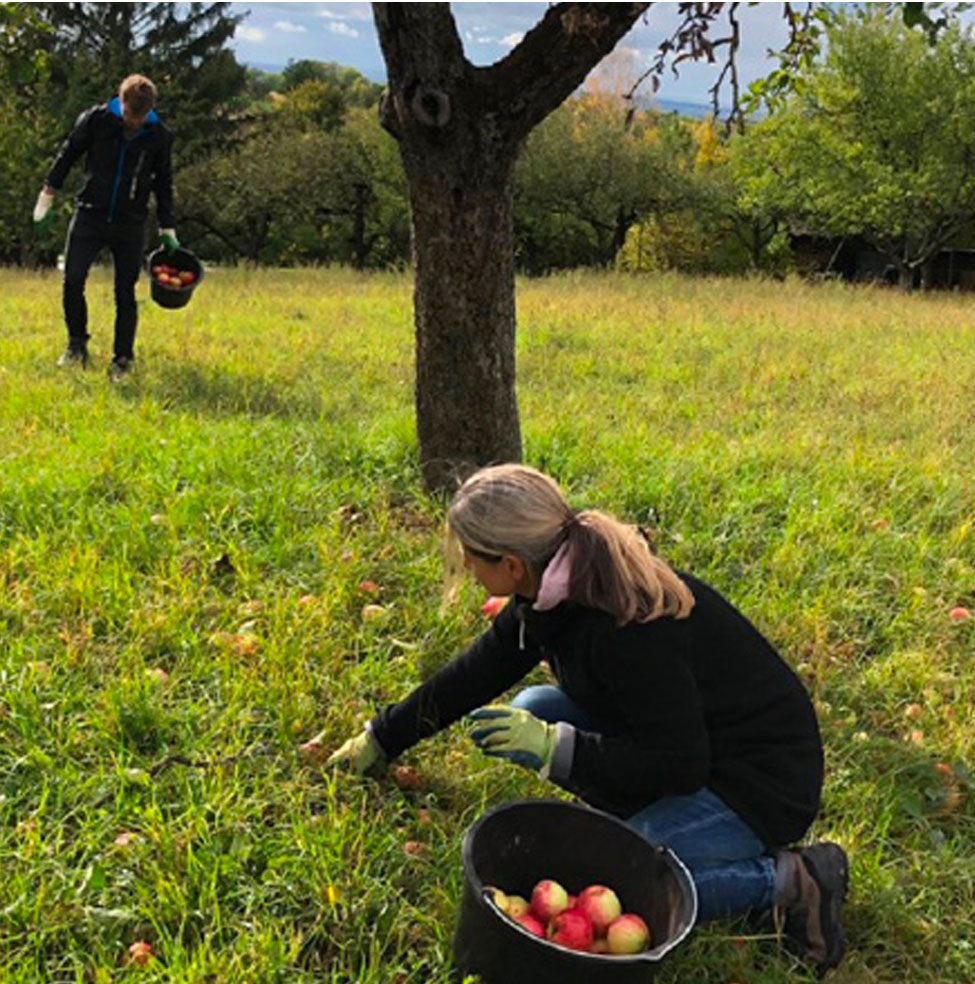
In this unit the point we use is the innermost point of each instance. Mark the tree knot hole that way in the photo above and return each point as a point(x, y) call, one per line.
point(431, 106)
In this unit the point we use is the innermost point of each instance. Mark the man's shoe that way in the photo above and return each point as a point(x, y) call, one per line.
point(120, 368)
point(812, 921)
point(74, 355)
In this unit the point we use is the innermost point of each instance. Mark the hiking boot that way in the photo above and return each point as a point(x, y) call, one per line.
point(120, 368)
point(811, 914)
point(74, 355)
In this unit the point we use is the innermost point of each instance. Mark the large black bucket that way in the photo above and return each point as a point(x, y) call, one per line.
point(517, 845)
point(174, 297)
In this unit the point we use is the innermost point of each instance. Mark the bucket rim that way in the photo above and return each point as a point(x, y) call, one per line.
point(647, 956)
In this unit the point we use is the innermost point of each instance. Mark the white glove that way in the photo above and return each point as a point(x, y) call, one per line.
point(43, 205)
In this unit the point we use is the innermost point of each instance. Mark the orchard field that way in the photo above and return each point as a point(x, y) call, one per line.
point(184, 560)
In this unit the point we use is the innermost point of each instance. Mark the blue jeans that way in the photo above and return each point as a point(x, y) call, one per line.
point(732, 872)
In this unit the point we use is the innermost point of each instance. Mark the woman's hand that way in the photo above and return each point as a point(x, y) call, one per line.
point(514, 734)
point(360, 755)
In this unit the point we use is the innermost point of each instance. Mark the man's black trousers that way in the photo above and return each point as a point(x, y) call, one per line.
point(87, 234)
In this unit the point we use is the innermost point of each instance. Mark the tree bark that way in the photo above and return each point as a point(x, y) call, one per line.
point(459, 129)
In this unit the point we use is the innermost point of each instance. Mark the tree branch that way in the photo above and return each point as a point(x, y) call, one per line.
point(552, 60)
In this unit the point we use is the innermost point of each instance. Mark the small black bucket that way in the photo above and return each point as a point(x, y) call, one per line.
point(182, 259)
point(514, 847)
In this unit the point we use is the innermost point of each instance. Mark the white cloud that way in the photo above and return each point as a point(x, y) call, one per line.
point(250, 34)
point(289, 28)
point(510, 40)
point(340, 27)
point(351, 11)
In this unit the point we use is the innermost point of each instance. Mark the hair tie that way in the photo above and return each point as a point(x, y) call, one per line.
point(571, 523)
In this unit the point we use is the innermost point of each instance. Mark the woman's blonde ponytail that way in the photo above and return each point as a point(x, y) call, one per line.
point(518, 510)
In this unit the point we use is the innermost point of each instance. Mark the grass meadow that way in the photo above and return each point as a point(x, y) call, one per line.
point(181, 568)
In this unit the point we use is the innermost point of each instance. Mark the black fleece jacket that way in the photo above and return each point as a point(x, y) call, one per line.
point(694, 702)
point(119, 173)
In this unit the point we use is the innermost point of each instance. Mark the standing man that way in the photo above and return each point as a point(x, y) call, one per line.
point(128, 155)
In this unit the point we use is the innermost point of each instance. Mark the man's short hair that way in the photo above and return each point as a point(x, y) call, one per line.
point(138, 93)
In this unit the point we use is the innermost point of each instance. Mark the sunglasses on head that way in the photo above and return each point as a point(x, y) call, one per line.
point(491, 558)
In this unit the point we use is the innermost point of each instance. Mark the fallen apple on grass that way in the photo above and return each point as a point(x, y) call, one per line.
point(374, 613)
point(140, 953)
point(493, 607)
point(406, 777)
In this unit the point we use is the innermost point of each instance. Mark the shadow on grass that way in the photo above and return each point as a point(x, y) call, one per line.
point(222, 392)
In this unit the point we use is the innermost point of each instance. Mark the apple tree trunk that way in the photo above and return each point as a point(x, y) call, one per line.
point(459, 129)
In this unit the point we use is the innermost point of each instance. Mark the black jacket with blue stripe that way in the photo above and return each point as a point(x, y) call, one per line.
point(119, 173)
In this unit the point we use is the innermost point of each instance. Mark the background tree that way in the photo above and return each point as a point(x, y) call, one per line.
point(876, 141)
point(23, 129)
point(319, 94)
point(291, 192)
point(181, 47)
point(701, 230)
point(355, 89)
point(585, 176)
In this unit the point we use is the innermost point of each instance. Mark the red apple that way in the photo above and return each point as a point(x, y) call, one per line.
point(571, 929)
point(627, 934)
point(549, 898)
point(527, 921)
point(493, 606)
point(959, 614)
point(601, 905)
point(187, 277)
point(140, 953)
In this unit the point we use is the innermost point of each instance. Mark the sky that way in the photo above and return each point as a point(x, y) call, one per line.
point(273, 33)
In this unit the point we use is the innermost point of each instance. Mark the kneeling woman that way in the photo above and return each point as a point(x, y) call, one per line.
point(671, 710)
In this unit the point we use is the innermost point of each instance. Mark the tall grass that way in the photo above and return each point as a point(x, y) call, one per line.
point(181, 568)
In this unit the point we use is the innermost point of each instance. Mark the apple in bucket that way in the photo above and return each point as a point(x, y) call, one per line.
point(601, 905)
point(627, 934)
point(549, 898)
point(571, 929)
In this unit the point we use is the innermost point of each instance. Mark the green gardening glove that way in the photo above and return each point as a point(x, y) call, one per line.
point(514, 734)
point(361, 755)
point(169, 240)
